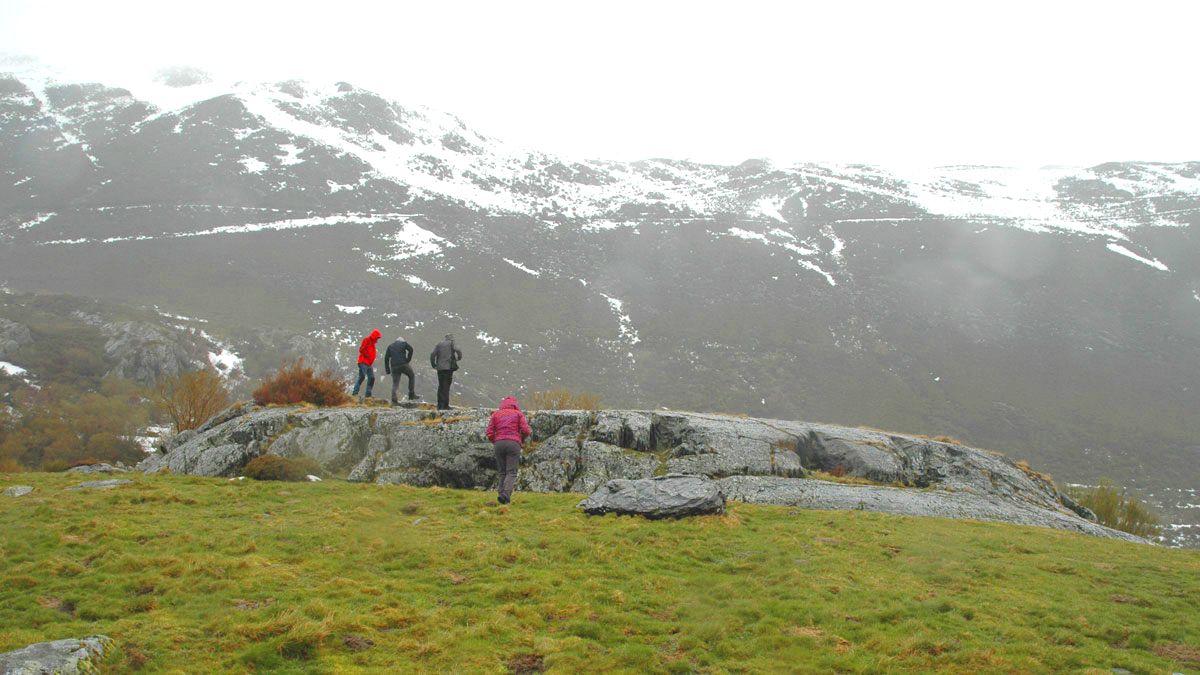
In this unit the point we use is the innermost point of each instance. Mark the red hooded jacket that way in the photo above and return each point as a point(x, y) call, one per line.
point(508, 423)
point(366, 350)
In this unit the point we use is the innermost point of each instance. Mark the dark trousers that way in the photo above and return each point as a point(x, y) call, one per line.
point(508, 457)
point(445, 378)
point(364, 372)
point(397, 371)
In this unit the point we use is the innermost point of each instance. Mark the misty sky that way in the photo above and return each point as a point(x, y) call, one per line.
point(1004, 82)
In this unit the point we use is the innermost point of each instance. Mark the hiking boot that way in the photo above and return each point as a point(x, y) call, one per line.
point(395, 402)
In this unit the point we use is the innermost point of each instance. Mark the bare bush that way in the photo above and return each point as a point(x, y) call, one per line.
point(191, 398)
point(297, 383)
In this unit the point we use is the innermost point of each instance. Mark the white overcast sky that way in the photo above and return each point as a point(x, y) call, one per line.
point(1002, 82)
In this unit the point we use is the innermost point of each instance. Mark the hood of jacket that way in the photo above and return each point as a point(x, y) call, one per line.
point(375, 335)
point(509, 403)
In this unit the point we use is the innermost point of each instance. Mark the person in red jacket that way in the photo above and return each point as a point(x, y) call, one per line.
point(507, 430)
point(366, 359)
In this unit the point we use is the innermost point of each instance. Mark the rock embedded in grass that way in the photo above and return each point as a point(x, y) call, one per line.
point(101, 484)
point(18, 490)
point(671, 496)
point(59, 656)
point(97, 468)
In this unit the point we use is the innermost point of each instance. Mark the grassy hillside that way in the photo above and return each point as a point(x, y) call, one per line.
point(195, 575)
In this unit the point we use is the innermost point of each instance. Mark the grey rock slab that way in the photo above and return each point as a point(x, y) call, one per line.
point(336, 439)
point(97, 468)
point(64, 657)
point(669, 496)
point(17, 490)
point(825, 495)
point(102, 484)
point(172, 442)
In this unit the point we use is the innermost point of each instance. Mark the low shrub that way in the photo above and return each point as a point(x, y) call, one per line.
point(1117, 509)
point(563, 399)
point(274, 467)
point(297, 383)
point(10, 466)
point(191, 398)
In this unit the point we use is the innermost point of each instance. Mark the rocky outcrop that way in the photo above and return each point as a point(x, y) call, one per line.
point(13, 336)
point(671, 496)
point(65, 657)
point(578, 451)
point(17, 490)
point(145, 352)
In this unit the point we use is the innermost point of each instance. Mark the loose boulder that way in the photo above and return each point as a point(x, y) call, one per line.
point(671, 496)
point(18, 490)
point(60, 656)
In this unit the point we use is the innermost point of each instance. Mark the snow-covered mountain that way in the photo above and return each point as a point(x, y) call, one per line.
point(1052, 313)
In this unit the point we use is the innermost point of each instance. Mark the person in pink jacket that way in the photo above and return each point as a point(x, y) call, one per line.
point(507, 430)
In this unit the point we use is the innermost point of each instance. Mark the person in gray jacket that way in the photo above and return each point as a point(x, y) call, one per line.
point(396, 363)
point(444, 358)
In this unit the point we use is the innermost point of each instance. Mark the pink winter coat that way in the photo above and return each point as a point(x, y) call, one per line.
point(508, 423)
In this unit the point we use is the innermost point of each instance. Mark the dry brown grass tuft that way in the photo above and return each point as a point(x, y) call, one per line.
point(1178, 652)
point(274, 467)
point(563, 399)
point(1023, 465)
point(525, 664)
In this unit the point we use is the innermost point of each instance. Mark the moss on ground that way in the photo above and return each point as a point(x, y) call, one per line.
point(208, 575)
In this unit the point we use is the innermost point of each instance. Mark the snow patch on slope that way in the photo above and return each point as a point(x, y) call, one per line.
point(412, 241)
point(41, 218)
point(253, 164)
point(769, 207)
point(1117, 248)
point(624, 321)
point(531, 272)
point(422, 284)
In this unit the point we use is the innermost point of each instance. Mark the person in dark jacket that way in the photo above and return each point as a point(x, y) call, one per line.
point(444, 358)
point(396, 363)
point(366, 361)
point(507, 430)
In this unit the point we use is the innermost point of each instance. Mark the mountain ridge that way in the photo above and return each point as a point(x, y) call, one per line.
point(1054, 317)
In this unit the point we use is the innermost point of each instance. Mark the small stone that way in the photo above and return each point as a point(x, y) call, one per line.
point(18, 490)
point(101, 484)
point(59, 656)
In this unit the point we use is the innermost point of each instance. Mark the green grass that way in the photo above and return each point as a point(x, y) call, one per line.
point(199, 575)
